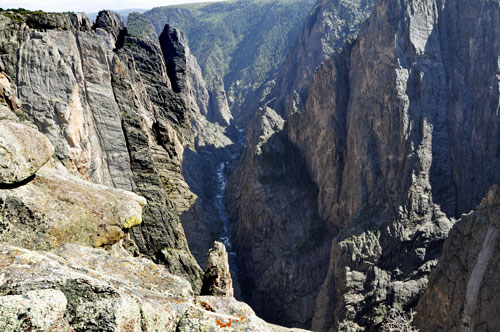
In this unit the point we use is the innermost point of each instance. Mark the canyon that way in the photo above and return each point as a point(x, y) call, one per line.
point(343, 155)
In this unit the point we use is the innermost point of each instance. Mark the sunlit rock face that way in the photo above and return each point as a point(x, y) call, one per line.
point(105, 101)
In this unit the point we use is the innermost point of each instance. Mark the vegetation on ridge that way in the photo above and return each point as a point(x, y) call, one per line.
point(242, 41)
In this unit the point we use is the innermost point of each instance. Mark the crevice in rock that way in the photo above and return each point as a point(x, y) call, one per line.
point(17, 184)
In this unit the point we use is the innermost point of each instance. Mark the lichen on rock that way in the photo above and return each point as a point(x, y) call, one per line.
point(57, 207)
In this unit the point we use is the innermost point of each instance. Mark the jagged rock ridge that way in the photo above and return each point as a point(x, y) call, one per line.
point(107, 103)
point(241, 43)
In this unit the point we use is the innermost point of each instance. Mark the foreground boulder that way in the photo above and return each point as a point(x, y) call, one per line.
point(41, 310)
point(23, 151)
point(217, 278)
point(89, 289)
point(57, 207)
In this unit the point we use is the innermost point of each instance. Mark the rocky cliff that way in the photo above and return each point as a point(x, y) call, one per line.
point(282, 241)
point(461, 293)
point(65, 257)
point(241, 43)
point(111, 105)
point(398, 136)
point(328, 26)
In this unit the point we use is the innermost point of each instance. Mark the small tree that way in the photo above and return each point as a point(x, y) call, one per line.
point(399, 321)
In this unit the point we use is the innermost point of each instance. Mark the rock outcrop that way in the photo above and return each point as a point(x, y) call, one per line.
point(23, 151)
point(217, 278)
point(56, 208)
point(41, 310)
point(219, 108)
point(82, 289)
point(107, 103)
point(399, 136)
point(110, 22)
point(462, 291)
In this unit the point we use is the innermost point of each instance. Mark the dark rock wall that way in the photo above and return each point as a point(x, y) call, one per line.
point(462, 291)
point(282, 242)
point(399, 134)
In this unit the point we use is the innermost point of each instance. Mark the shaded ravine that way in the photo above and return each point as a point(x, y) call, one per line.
point(225, 237)
point(222, 173)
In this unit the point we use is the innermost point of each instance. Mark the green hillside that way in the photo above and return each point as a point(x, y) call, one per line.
point(242, 41)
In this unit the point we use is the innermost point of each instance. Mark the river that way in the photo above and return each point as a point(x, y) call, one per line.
point(225, 237)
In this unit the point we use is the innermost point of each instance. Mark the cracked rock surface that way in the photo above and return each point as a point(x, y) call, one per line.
point(82, 289)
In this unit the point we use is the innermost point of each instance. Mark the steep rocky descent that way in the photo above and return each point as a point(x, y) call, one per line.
point(105, 101)
point(281, 243)
point(210, 144)
point(462, 291)
point(400, 135)
point(75, 288)
point(272, 184)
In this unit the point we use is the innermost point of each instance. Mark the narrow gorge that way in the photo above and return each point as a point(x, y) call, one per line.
point(321, 165)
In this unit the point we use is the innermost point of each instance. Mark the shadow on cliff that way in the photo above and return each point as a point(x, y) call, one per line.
point(282, 244)
point(202, 221)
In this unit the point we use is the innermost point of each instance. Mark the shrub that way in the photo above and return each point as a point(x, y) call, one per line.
point(399, 321)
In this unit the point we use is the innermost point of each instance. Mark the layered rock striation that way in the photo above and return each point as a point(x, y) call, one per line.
point(43, 205)
point(109, 104)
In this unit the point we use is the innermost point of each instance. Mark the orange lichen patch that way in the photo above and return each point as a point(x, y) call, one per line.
point(222, 325)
